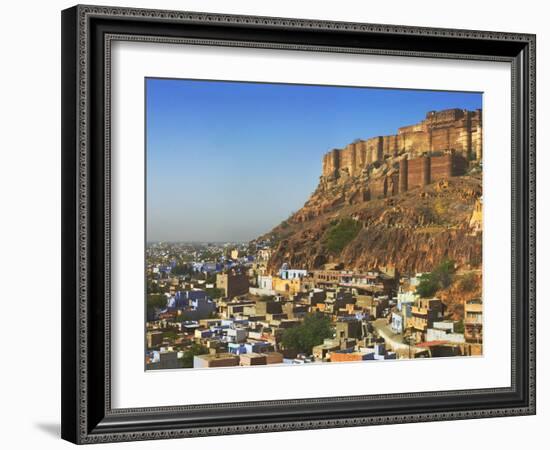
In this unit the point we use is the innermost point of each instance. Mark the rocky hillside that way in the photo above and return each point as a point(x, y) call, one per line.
point(412, 231)
point(465, 286)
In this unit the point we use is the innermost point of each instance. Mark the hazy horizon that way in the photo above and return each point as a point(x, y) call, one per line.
point(228, 161)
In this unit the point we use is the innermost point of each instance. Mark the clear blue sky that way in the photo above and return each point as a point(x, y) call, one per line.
point(227, 161)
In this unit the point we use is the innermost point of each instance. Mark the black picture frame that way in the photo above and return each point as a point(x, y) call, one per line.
point(87, 416)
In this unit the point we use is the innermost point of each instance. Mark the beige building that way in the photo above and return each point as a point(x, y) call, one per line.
point(424, 313)
point(274, 358)
point(322, 351)
point(264, 254)
point(286, 287)
point(233, 284)
point(473, 321)
point(253, 359)
point(215, 360)
point(349, 329)
point(154, 338)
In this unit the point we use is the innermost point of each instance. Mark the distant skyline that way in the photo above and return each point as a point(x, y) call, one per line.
point(228, 161)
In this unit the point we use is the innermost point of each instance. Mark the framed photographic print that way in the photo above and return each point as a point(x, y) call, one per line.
point(280, 224)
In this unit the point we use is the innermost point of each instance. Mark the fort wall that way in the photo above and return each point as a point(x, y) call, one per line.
point(415, 173)
point(444, 131)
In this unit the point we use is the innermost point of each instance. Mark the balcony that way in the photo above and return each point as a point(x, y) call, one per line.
point(416, 310)
point(473, 308)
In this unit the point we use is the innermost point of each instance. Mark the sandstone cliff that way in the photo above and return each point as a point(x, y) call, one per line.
point(408, 213)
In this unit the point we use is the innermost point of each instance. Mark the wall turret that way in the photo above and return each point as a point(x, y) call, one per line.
point(403, 174)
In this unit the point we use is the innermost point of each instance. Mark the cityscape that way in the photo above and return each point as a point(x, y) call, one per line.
point(382, 262)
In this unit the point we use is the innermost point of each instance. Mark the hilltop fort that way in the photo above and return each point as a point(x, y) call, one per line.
point(413, 195)
point(442, 131)
point(439, 147)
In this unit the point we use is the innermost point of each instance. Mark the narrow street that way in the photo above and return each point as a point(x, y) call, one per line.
point(394, 341)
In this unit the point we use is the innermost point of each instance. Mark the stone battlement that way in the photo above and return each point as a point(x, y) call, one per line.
point(417, 172)
point(444, 131)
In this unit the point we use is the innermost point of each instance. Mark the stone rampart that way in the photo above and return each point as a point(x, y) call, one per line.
point(453, 130)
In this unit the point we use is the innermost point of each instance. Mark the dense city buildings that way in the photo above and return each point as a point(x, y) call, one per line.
point(228, 312)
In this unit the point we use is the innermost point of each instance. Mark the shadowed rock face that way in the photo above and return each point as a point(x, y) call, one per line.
point(413, 230)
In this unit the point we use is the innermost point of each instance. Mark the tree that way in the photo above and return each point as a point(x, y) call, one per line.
point(444, 273)
point(440, 278)
point(341, 234)
point(214, 292)
point(312, 331)
point(468, 282)
point(190, 353)
point(183, 269)
point(170, 334)
point(183, 317)
point(154, 303)
point(427, 286)
point(152, 288)
point(210, 277)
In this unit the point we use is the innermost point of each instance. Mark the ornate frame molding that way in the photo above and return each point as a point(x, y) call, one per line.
point(80, 418)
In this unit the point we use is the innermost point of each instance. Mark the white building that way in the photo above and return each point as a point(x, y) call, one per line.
point(397, 323)
point(406, 298)
point(433, 334)
point(237, 334)
point(265, 282)
point(292, 274)
point(444, 331)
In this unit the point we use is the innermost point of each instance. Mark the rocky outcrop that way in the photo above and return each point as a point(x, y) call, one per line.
point(465, 286)
point(409, 225)
point(414, 195)
point(413, 231)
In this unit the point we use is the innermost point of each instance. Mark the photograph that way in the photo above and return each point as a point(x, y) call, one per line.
point(298, 224)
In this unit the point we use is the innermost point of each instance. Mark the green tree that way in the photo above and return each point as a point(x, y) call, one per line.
point(427, 286)
point(170, 334)
point(183, 317)
point(312, 331)
point(194, 350)
point(467, 282)
point(444, 273)
point(154, 302)
point(440, 278)
point(152, 288)
point(210, 278)
point(182, 269)
point(214, 292)
point(340, 234)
